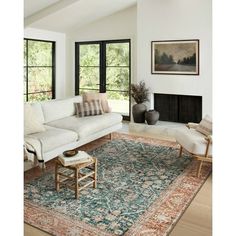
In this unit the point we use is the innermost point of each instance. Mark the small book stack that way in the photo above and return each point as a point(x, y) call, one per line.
point(79, 158)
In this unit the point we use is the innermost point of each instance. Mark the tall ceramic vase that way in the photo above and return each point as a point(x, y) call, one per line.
point(138, 111)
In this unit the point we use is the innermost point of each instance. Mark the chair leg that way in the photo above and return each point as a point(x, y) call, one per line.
point(180, 151)
point(95, 174)
point(110, 136)
point(199, 168)
point(76, 177)
point(57, 178)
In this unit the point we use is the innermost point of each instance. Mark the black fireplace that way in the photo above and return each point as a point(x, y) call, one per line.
point(178, 108)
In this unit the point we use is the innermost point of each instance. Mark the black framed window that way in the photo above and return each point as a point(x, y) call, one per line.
point(105, 66)
point(39, 70)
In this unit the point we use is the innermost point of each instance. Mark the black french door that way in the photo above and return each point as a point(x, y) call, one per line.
point(105, 66)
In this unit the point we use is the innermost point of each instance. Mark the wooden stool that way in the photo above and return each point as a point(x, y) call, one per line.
point(70, 176)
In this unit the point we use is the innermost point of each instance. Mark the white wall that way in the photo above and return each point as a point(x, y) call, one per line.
point(59, 38)
point(150, 20)
point(170, 20)
point(121, 25)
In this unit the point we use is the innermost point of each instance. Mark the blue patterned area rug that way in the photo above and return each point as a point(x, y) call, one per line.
point(134, 179)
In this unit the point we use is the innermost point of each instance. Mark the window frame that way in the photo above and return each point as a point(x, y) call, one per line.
point(102, 66)
point(53, 66)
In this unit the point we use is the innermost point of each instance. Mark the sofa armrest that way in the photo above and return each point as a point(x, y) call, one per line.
point(192, 125)
point(209, 138)
point(34, 145)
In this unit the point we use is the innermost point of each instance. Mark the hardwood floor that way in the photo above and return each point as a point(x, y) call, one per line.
point(32, 231)
point(196, 220)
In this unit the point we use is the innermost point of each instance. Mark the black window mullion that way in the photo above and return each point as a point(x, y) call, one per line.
point(53, 70)
point(102, 86)
point(77, 69)
point(27, 72)
point(90, 66)
point(128, 118)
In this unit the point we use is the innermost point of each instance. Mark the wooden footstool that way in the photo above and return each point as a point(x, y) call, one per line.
point(71, 176)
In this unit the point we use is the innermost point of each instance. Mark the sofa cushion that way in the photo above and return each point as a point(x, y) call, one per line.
point(52, 137)
point(58, 109)
point(92, 108)
point(31, 122)
point(87, 125)
point(192, 140)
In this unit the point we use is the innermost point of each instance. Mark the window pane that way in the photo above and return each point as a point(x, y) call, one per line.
point(119, 102)
point(25, 56)
point(82, 91)
point(89, 55)
point(89, 77)
point(25, 81)
point(117, 54)
point(117, 78)
point(39, 53)
point(39, 79)
point(40, 96)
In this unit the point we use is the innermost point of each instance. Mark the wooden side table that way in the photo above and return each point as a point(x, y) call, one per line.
point(71, 176)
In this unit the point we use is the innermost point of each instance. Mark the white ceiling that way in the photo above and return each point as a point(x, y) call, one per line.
point(33, 6)
point(68, 15)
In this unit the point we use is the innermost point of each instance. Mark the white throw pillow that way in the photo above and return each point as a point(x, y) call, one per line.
point(31, 122)
point(205, 126)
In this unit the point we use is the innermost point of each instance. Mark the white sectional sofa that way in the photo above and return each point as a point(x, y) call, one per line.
point(64, 130)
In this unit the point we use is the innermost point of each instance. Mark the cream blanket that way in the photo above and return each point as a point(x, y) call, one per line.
point(34, 145)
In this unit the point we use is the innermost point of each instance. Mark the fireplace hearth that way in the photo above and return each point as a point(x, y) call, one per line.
point(178, 108)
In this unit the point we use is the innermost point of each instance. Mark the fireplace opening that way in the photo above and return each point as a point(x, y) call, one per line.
point(178, 108)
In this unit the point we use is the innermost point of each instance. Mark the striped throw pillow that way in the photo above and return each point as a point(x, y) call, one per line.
point(205, 126)
point(92, 108)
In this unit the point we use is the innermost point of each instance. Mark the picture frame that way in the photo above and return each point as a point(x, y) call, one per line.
point(176, 57)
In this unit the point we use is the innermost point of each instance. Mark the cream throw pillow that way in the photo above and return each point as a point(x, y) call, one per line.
point(205, 126)
point(31, 122)
point(102, 97)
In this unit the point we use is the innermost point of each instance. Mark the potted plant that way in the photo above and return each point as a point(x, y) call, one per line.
point(139, 93)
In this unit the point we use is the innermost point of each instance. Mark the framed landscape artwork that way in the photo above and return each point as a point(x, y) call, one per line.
point(179, 57)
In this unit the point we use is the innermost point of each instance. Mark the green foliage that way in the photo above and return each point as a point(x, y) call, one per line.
point(39, 53)
point(118, 95)
point(89, 55)
point(118, 78)
point(39, 74)
point(117, 72)
point(117, 54)
point(139, 92)
point(89, 77)
point(39, 79)
point(117, 61)
point(40, 96)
